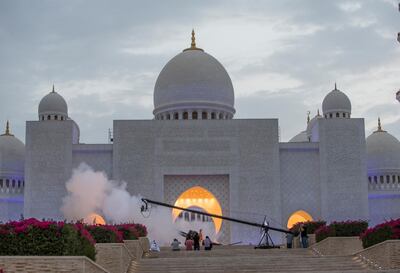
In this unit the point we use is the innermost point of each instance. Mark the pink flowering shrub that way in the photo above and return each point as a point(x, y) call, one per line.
point(132, 231)
point(341, 229)
point(34, 237)
point(312, 226)
point(385, 231)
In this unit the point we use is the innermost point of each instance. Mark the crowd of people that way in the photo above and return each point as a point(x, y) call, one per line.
point(193, 241)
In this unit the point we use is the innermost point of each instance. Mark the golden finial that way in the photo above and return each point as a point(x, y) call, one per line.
point(308, 117)
point(53, 89)
point(379, 126)
point(335, 87)
point(7, 133)
point(318, 115)
point(193, 43)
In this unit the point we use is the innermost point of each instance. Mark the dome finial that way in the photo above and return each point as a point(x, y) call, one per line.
point(379, 126)
point(335, 87)
point(308, 117)
point(193, 43)
point(53, 89)
point(7, 133)
point(318, 115)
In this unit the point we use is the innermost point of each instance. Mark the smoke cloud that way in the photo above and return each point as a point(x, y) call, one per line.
point(91, 191)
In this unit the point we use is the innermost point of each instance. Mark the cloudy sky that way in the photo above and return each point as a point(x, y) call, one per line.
point(283, 57)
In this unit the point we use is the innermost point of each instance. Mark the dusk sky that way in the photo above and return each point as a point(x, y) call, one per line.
point(283, 57)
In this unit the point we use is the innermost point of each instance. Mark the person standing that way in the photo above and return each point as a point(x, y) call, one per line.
point(201, 236)
point(304, 235)
point(196, 241)
point(207, 243)
point(289, 240)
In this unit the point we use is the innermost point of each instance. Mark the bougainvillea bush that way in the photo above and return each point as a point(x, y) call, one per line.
point(312, 226)
point(50, 238)
point(132, 231)
point(341, 229)
point(386, 231)
point(45, 238)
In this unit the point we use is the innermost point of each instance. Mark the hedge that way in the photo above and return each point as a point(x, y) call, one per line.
point(50, 238)
point(312, 226)
point(341, 229)
point(382, 232)
point(45, 238)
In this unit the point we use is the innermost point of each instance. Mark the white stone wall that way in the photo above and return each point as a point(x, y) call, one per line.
point(97, 156)
point(300, 187)
point(383, 207)
point(245, 150)
point(343, 174)
point(47, 168)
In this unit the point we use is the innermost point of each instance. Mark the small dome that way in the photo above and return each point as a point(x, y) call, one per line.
point(300, 137)
point(383, 151)
point(53, 104)
point(336, 102)
point(312, 128)
point(193, 80)
point(12, 155)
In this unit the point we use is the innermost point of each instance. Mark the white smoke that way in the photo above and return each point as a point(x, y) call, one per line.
point(92, 192)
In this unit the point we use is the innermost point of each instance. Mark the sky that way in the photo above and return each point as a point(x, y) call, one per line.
point(283, 57)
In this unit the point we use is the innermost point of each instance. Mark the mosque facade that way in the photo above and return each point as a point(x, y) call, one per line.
point(194, 153)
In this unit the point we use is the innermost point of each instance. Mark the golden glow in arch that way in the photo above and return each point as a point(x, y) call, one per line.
point(298, 216)
point(201, 198)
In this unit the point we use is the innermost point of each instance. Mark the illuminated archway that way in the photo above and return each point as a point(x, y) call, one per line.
point(202, 198)
point(94, 219)
point(298, 216)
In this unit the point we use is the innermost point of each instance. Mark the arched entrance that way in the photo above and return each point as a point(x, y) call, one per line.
point(298, 216)
point(199, 197)
point(94, 219)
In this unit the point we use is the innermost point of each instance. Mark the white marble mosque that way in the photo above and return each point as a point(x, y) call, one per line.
point(194, 153)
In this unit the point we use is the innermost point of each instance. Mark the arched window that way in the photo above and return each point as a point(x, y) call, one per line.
point(204, 115)
point(176, 116)
point(62, 118)
point(213, 115)
point(220, 116)
point(381, 178)
point(337, 115)
point(42, 117)
point(1, 182)
point(387, 179)
point(369, 179)
point(48, 117)
point(13, 183)
point(185, 115)
point(297, 217)
point(330, 115)
point(19, 183)
point(168, 116)
point(194, 115)
point(344, 115)
point(56, 117)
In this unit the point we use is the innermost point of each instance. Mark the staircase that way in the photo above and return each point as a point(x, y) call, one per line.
point(234, 259)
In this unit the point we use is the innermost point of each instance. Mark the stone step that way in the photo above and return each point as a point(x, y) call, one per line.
point(247, 259)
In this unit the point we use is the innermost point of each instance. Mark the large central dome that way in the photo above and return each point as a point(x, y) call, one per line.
point(193, 85)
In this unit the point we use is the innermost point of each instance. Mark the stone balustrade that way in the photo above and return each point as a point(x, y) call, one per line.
point(115, 257)
point(382, 256)
point(47, 264)
point(338, 246)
